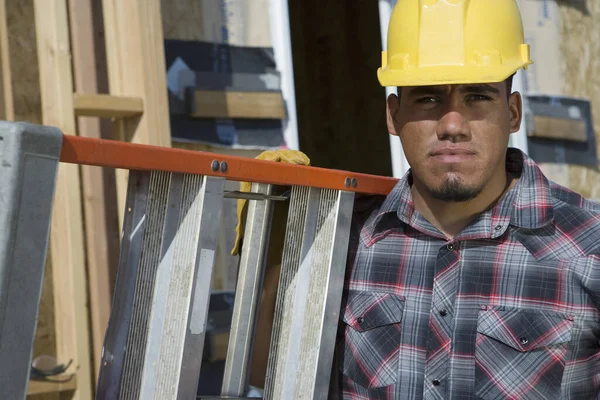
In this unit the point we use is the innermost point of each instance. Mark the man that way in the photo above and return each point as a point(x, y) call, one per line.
point(476, 277)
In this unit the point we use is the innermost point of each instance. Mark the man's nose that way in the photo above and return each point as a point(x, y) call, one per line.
point(453, 126)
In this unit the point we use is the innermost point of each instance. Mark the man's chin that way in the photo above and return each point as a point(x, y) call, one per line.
point(454, 190)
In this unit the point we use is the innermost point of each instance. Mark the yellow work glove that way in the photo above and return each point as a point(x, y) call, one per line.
point(281, 155)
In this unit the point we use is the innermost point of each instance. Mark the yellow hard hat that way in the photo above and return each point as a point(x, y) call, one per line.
point(440, 42)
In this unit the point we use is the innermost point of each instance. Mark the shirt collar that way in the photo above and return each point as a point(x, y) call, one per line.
point(533, 205)
point(527, 205)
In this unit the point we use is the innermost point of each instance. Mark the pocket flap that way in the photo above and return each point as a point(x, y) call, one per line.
point(525, 329)
point(368, 310)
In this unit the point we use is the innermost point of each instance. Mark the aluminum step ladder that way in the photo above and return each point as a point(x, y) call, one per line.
point(155, 338)
point(154, 342)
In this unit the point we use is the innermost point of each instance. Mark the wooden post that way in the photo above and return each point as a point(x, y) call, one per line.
point(7, 111)
point(136, 68)
point(99, 204)
point(67, 245)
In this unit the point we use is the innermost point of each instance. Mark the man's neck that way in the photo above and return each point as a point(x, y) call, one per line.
point(452, 217)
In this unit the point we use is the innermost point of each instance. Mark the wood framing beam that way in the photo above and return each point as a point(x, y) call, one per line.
point(67, 245)
point(105, 105)
point(559, 128)
point(227, 104)
point(99, 195)
point(136, 68)
point(7, 111)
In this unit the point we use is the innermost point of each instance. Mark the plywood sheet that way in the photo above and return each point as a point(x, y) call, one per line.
point(241, 23)
point(23, 60)
point(6, 100)
point(540, 21)
point(580, 46)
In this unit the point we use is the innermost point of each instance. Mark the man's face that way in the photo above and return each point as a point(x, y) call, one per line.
point(455, 136)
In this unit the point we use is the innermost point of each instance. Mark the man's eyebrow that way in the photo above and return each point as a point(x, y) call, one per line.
point(479, 89)
point(426, 90)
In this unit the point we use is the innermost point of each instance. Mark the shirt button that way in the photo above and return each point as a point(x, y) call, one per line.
point(443, 313)
point(359, 320)
point(523, 340)
point(450, 247)
point(436, 382)
point(498, 227)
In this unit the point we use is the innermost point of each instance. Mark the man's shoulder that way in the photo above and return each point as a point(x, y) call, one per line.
point(575, 229)
point(572, 201)
point(575, 213)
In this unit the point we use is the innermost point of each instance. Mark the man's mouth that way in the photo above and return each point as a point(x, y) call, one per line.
point(452, 155)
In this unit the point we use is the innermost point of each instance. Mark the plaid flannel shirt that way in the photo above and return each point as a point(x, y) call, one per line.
point(508, 309)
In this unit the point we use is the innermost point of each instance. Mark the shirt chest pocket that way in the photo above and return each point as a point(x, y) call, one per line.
point(521, 353)
point(372, 333)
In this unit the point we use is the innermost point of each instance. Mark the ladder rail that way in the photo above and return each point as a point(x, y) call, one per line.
point(132, 156)
point(309, 294)
point(28, 171)
point(115, 340)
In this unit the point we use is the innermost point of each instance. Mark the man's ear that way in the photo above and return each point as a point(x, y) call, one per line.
point(392, 108)
point(515, 109)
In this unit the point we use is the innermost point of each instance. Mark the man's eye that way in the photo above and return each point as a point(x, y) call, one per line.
point(478, 97)
point(427, 100)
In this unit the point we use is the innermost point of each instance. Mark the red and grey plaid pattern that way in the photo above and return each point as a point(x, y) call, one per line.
point(509, 309)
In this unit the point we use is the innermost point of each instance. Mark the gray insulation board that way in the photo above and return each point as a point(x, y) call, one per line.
point(217, 66)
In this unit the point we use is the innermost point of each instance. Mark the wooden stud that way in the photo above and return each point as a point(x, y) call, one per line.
point(99, 204)
point(67, 241)
point(7, 111)
point(224, 104)
point(107, 106)
point(136, 68)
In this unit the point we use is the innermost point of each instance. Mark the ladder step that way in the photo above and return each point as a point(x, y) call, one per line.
point(225, 104)
point(309, 294)
point(155, 337)
point(247, 294)
point(106, 105)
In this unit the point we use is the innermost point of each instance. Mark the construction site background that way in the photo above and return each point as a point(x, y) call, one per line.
point(340, 107)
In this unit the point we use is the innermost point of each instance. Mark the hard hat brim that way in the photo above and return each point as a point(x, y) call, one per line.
point(447, 74)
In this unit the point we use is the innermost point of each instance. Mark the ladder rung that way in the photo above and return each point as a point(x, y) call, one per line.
point(235, 194)
point(106, 106)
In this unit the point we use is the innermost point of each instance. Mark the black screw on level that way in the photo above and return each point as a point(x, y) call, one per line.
point(214, 166)
point(223, 166)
